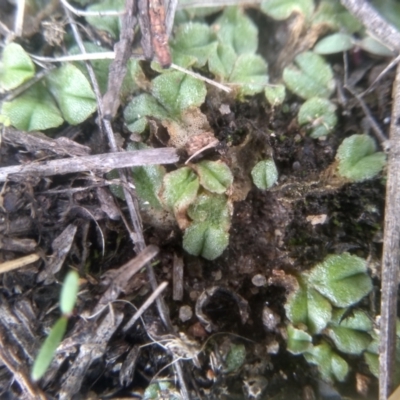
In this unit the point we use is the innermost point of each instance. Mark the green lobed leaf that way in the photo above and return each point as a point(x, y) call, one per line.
point(211, 208)
point(330, 365)
point(69, 292)
point(275, 94)
point(306, 306)
point(205, 239)
point(343, 279)
point(148, 180)
point(333, 15)
point(16, 67)
point(193, 13)
point(250, 72)
point(134, 77)
point(215, 176)
point(192, 41)
point(265, 174)
point(348, 340)
point(334, 43)
point(176, 91)
point(34, 110)
point(235, 358)
point(106, 23)
point(375, 47)
point(350, 334)
point(358, 159)
point(320, 116)
point(179, 190)
point(49, 347)
point(283, 9)
point(72, 92)
point(221, 60)
point(100, 67)
point(311, 76)
point(236, 29)
point(139, 108)
point(298, 340)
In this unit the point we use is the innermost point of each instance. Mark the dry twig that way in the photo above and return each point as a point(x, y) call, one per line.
point(391, 253)
point(98, 162)
point(389, 35)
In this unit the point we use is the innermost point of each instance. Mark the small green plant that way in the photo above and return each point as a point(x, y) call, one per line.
point(275, 94)
point(358, 159)
point(161, 389)
point(318, 115)
point(310, 76)
point(66, 94)
point(319, 309)
point(16, 67)
point(265, 174)
point(195, 195)
point(67, 303)
point(339, 42)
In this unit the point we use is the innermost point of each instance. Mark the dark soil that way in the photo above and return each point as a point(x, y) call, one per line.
point(271, 238)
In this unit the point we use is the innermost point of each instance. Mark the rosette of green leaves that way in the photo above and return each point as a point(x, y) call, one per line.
point(229, 48)
point(171, 94)
point(205, 216)
point(320, 306)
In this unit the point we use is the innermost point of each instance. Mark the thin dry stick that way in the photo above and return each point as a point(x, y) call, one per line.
point(216, 3)
point(82, 13)
point(389, 35)
point(391, 253)
point(202, 78)
point(392, 63)
point(118, 68)
point(88, 65)
point(124, 274)
point(19, 18)
point(18, 368)
point(98, 162)
point(149, 301)
point(375, 23)
point(18, 263)
point(170, 16)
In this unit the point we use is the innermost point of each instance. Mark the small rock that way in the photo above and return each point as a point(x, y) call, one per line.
point(259, 280)
point(273, 347)
point(217, 275)
point(185, 313)
point(270, 319)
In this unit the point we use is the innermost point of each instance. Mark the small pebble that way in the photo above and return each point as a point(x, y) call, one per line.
point(185, 313)
point(273, 347)
point(259, 280)
point(270, 319)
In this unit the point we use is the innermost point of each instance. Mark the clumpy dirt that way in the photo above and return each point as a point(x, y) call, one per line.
point(274, 235)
